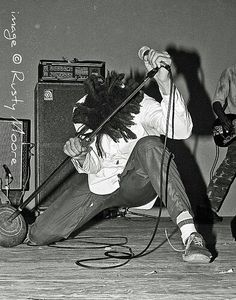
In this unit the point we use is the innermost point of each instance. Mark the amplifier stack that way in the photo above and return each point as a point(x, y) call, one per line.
point(59, 87)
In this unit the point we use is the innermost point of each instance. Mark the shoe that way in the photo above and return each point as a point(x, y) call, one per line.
point(195, 250)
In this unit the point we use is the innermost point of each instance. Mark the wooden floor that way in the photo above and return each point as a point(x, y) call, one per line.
point(42, 273)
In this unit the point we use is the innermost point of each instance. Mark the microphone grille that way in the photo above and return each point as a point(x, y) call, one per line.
point(143, 51)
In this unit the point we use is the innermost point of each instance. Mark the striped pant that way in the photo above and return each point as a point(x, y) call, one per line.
point(223, 178)
point(139, 184)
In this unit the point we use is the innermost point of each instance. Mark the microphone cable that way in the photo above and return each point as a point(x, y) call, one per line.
point(129, 256)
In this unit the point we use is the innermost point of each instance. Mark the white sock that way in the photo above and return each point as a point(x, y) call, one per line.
point(186, 225)
point(186, 231)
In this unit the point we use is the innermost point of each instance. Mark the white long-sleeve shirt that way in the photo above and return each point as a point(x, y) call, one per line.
point(151, 120)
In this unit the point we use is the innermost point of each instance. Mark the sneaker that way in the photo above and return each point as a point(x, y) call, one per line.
point(195, 250)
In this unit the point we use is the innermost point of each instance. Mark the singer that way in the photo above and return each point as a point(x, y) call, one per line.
point(124, 160)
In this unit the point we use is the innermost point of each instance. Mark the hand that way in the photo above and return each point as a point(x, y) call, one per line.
point(74, 148)
point(156, 59)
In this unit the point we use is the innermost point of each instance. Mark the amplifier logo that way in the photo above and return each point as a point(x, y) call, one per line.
point(48, 95)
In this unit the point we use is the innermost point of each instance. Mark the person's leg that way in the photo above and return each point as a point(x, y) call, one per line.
point(144, 169)
point(140, 182)
point(73, 208)
point(223, 178)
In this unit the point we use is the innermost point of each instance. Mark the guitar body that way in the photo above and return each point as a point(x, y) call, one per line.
point(221, 137)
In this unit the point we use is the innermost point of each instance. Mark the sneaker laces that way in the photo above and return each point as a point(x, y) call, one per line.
point(195, 239)
point(192, 238)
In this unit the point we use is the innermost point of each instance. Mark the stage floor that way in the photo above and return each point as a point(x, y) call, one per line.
point(43, 273)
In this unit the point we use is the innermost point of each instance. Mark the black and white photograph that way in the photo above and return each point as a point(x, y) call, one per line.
point(118, 149)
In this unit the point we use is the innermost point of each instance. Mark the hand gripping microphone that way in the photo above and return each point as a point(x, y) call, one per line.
point(144, 51)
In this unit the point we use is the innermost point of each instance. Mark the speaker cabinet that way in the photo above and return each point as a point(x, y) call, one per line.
point(15, 155)
point(54, 104)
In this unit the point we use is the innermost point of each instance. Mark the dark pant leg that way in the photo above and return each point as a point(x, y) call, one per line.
point(223, 178)
point(72, 209)
point(139, 184)
point(140, 180)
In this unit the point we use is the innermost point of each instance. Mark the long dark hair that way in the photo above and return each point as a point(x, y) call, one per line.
point(104, 95)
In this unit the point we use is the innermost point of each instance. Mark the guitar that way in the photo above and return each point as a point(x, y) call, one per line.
point(222, 137)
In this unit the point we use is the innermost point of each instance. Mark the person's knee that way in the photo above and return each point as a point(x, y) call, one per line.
point(42, 237)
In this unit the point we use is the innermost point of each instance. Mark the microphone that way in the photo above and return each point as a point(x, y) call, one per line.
point(144, 51)
point(8, 172)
